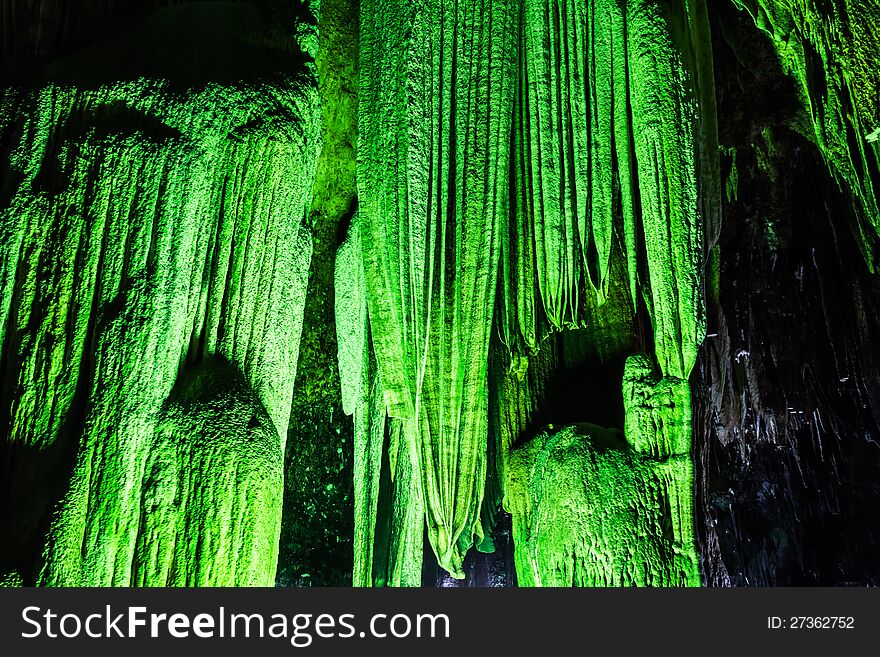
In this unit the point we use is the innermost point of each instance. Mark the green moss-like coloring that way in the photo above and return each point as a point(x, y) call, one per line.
point(589, 512)
point(388, 510)
point(211, 505)
point(614, 125)
point(605, 104)
point(832, 49)
point(562, 152)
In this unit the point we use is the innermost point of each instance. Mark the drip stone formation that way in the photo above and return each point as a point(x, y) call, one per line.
point(506, 216)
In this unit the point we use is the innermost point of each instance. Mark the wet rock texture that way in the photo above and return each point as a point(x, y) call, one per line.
point(788, 453)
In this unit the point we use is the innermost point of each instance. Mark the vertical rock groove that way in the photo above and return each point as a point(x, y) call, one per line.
point(350, 298)
point(603, 105)
point(154, 223)
point(434, 131)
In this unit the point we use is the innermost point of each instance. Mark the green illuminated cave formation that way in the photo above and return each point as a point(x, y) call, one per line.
point(594, 506)
point(493, 227)
point(831, 49)
point(434, 127)
point(430, 253)
point(213, 471)
point(148, 227)
point(608, 147)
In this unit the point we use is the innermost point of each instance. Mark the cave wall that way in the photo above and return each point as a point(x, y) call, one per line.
point(375, 293)
point(788, 418)
point(318, 523)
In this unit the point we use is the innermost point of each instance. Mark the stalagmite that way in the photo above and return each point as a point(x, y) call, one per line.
point(212, 487)
point(615, 137)
point(597, 507)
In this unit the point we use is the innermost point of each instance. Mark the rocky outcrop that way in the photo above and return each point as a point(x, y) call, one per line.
point(149, 222)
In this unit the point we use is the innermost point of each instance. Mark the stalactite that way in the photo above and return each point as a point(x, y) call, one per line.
point(434, 135)
point(148, 227)
point(606, 146)
point(665, 120)
point(538, 202)
point(387, 528)
point(616, 140)
point(831, 49)
point(573, 149)
point(614, 133)
point(517, 390)
point(356, 384)
point(401, 533)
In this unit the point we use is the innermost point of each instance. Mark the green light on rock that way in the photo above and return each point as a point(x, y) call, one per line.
point(149, 228)
point(603, 105)
point(436, 96)
point(597, 507)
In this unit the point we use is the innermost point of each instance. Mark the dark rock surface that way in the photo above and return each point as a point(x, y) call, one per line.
point(786, 431)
